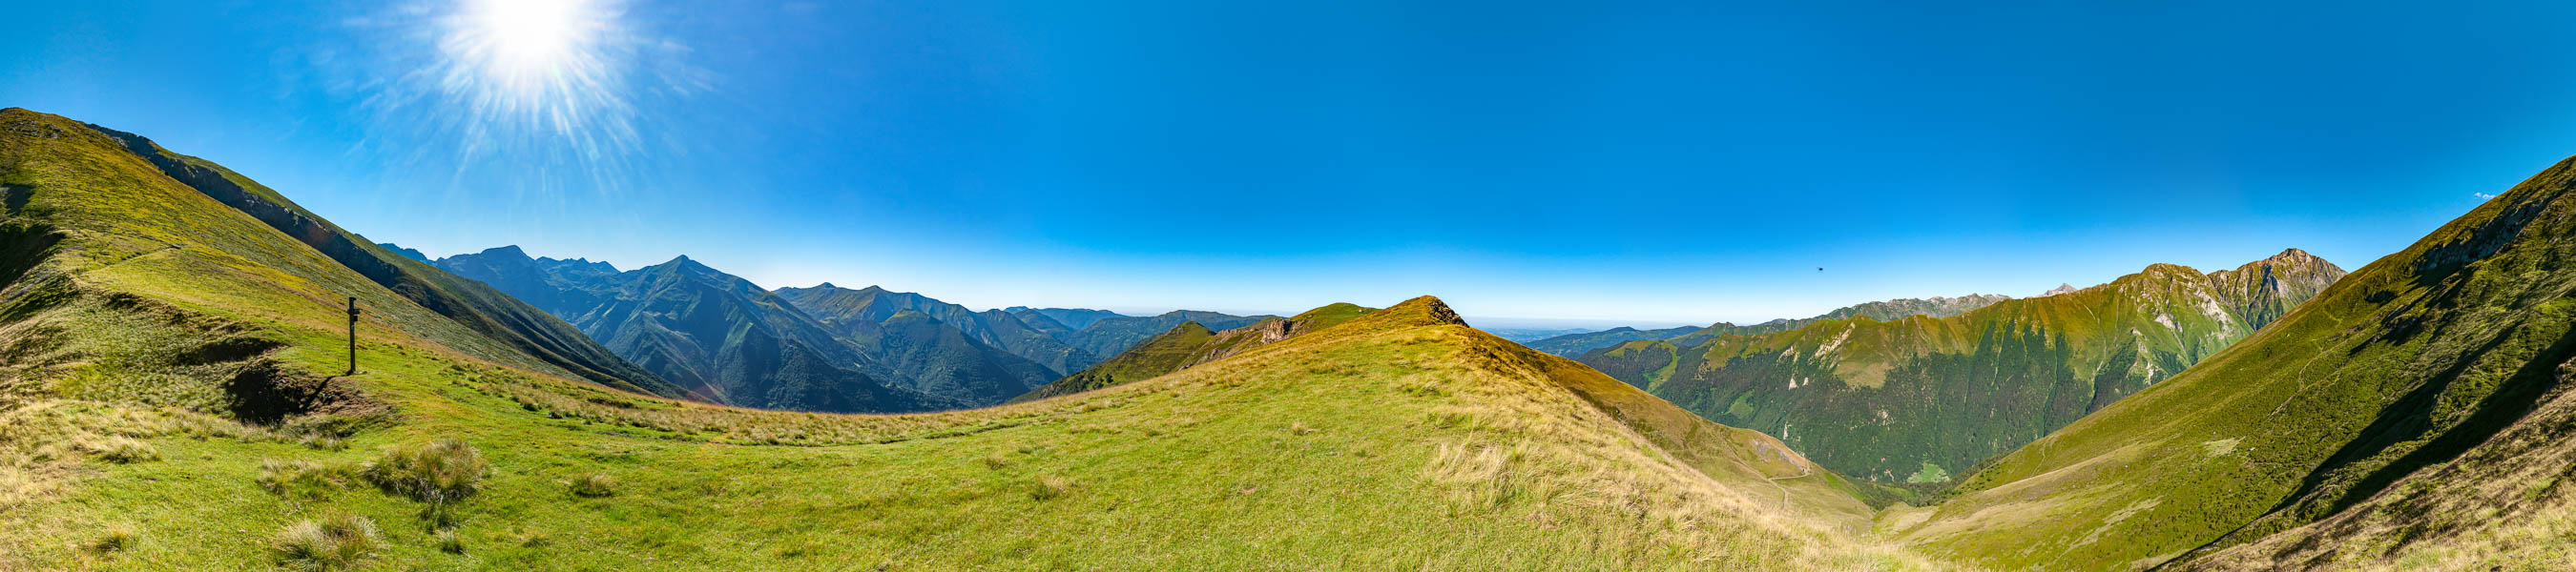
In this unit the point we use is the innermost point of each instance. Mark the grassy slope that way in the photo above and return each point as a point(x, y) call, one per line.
point(522, 328)
point(2393, 371)
point(1920, 397)
point(125, 229)
point(2506, 504)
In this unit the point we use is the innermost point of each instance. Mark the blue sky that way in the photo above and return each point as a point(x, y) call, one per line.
point(1651, 163)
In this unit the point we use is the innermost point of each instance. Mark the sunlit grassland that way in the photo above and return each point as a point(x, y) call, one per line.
point(1394, 445)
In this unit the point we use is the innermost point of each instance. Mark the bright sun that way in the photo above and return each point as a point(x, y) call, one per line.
point(529, 55)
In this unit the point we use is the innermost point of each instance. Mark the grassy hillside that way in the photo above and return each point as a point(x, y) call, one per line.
point(164, 408)
point(2407, 398)
point(1191, 344)
point(1920, 399)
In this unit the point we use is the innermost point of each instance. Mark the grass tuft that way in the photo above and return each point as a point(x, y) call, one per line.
point(123, 450)
point(1050, 487)
point(335, 543)
point(437, 472)
point(449, 542)
point(301, 477)
point(114, 540)
point(594, 485)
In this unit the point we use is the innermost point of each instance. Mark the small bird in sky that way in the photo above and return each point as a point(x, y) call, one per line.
point(1820, 269)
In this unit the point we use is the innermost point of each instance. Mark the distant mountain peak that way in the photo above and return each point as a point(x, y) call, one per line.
point(825, 285)
point(405, 252)
point(506, 250)
point(2062, 288)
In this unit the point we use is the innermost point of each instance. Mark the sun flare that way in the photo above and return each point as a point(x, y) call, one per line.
point(554, 59)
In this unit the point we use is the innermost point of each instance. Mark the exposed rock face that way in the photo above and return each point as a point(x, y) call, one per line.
point(2062, 288)
point(2264, 290)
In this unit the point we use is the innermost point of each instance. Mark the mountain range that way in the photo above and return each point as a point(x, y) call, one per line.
point(722, 336)
point(1572, 345)
point(1919, 398)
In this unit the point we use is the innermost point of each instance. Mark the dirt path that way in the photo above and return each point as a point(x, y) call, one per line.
point(1805, 469)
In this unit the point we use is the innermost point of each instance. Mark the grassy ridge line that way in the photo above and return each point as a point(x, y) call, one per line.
point(2394, 370)
point(1190, 344)
point(126, 229)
